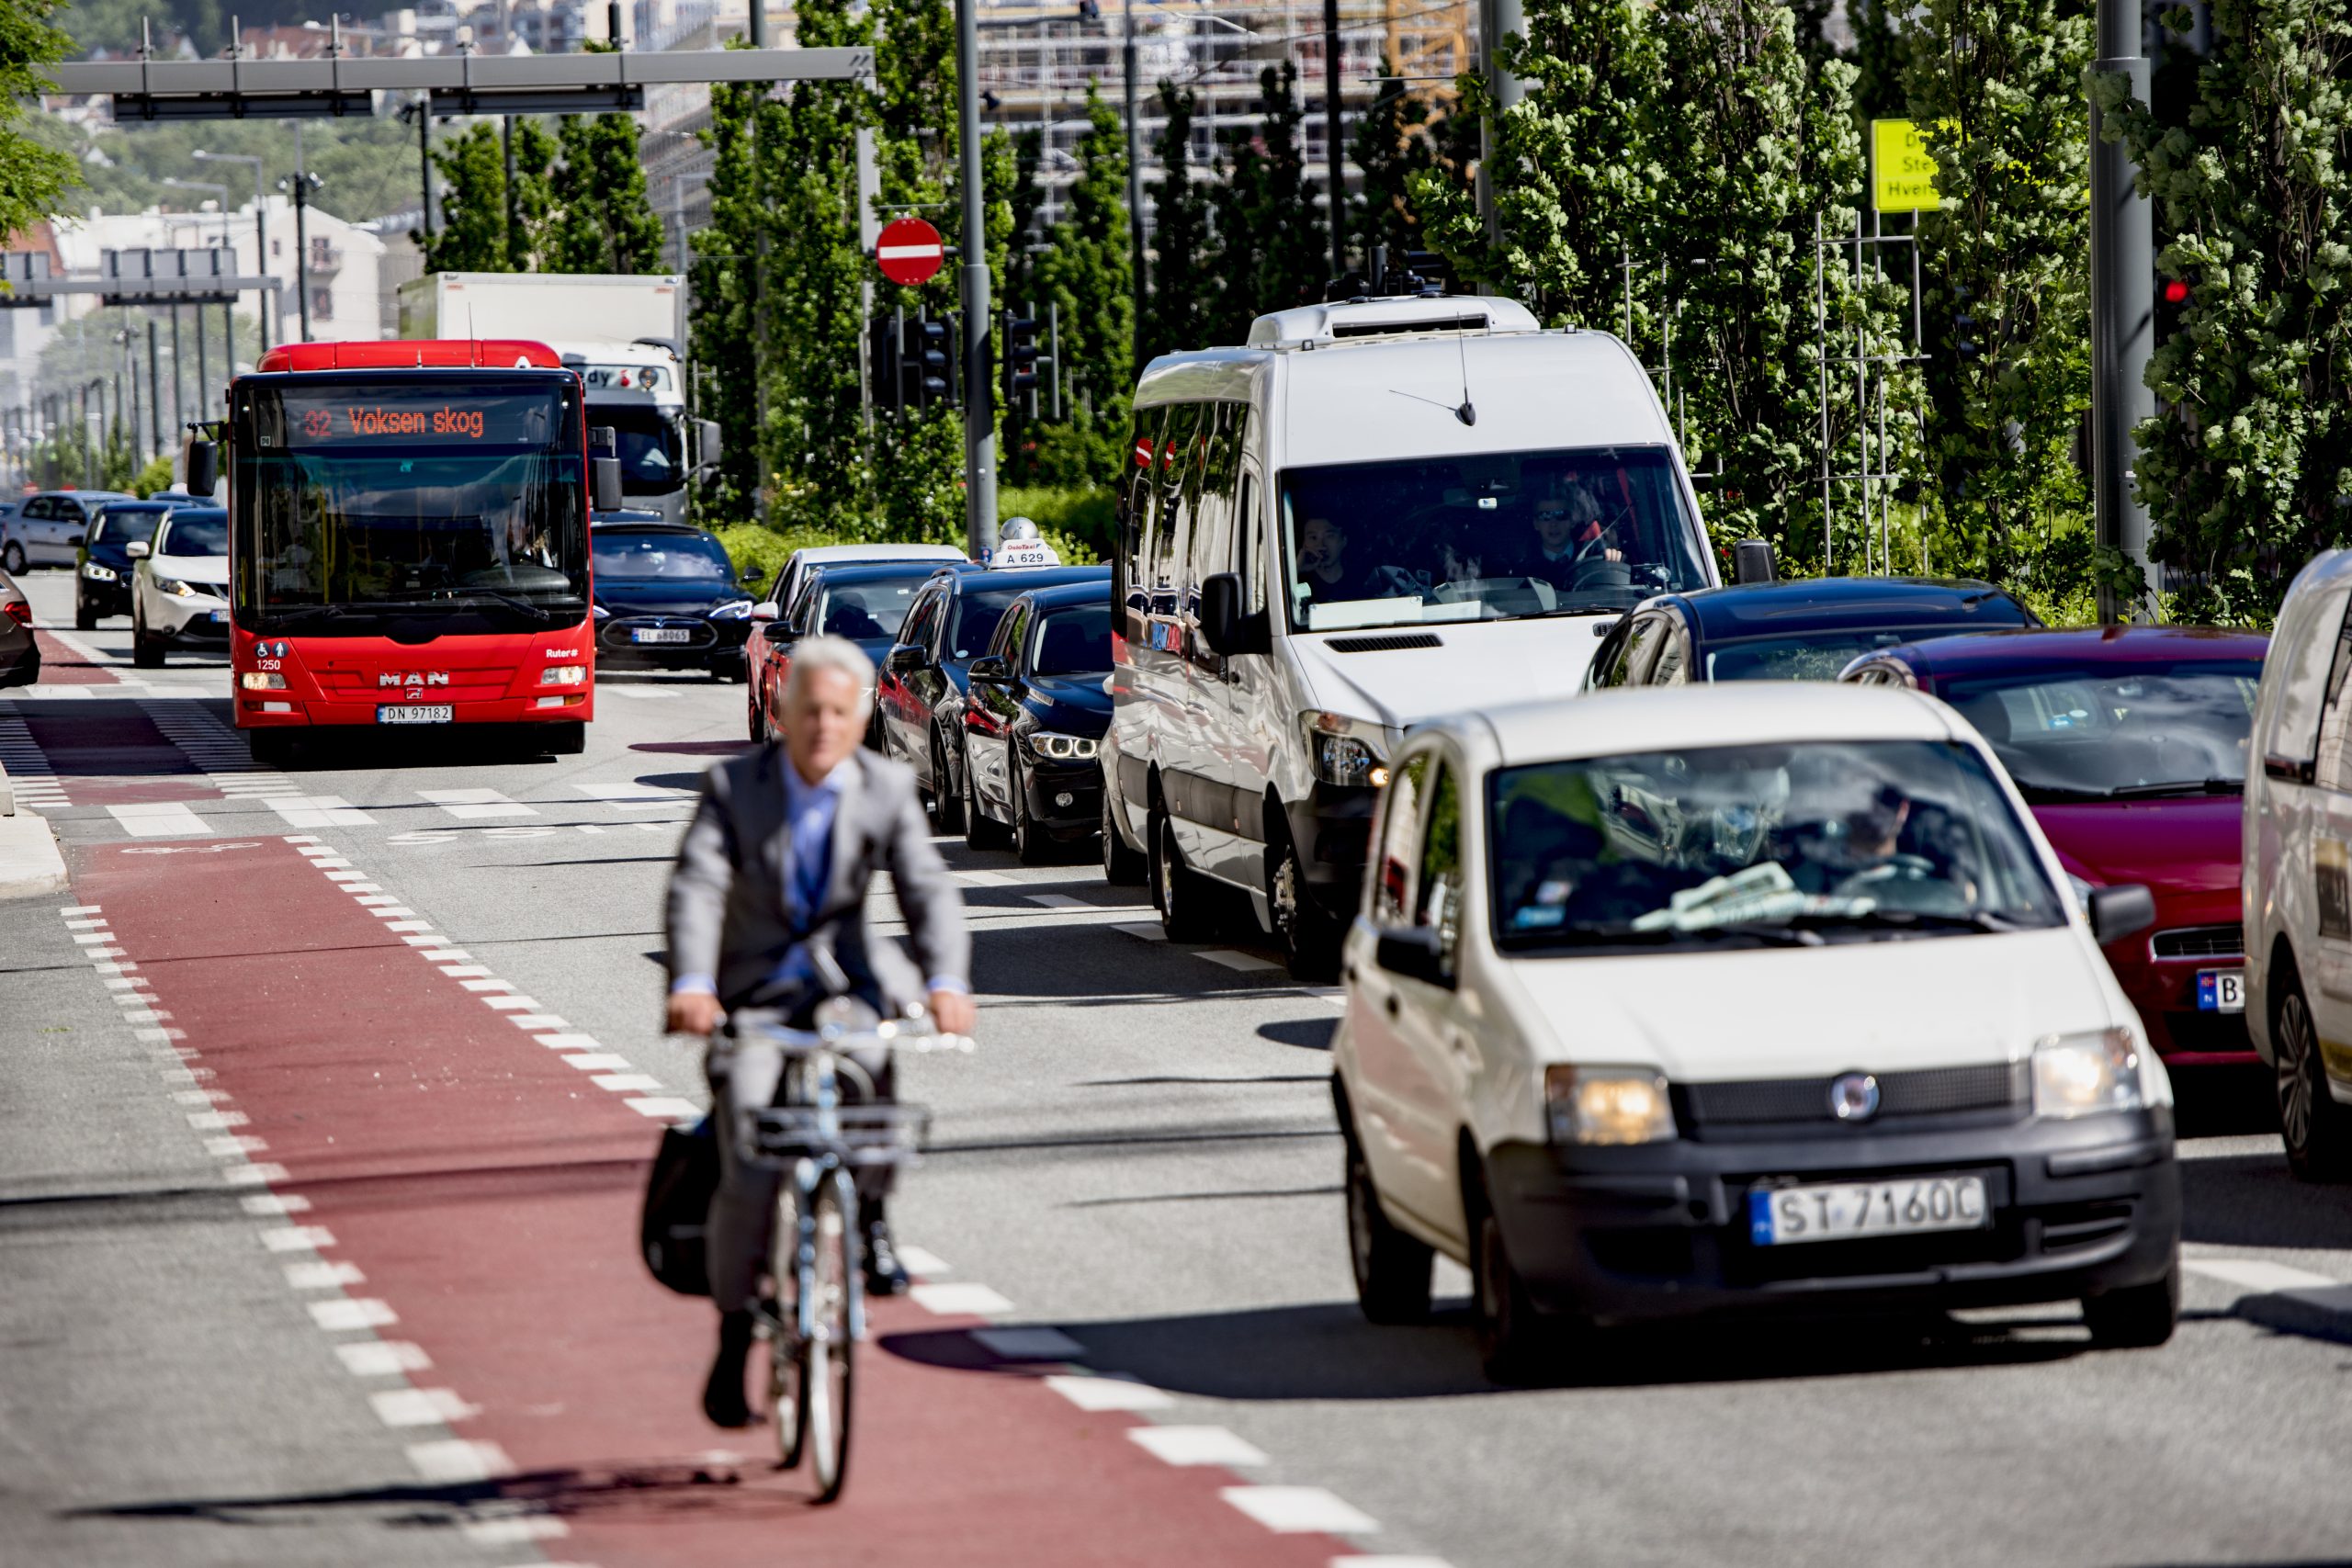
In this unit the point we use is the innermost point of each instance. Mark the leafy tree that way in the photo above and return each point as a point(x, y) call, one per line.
point(1182, 289)
point(531, 203)
point(472, 236)
point(2247, 470)
point(603, 220)
point(723, 256)
point(1877, 60)
point(1091, 274)
point(33, 177)
point(1576, 184)
point(1997, 87)
point(1391, 147)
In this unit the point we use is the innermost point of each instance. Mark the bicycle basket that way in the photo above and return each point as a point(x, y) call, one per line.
point(860, 1135)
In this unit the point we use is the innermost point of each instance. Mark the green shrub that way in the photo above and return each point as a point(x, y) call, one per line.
point(1086, 518)
point(155, 476)
point(752, 544)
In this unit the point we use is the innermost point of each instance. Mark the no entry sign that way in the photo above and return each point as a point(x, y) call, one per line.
point(910, 251)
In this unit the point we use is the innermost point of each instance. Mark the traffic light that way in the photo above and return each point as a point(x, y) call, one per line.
point(926, 361)
point(2174, 295)
point(1020, 362)
point(882, 336)
point(1965, 343)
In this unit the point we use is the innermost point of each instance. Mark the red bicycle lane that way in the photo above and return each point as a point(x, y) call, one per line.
point(487, 1193)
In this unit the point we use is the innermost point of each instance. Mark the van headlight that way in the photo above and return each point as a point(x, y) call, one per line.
point(1046, 746)
point(1608, 1105)
point(2078, 1075)
point(1343, 753)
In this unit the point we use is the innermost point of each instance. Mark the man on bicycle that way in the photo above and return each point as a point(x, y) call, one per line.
point(767, 920)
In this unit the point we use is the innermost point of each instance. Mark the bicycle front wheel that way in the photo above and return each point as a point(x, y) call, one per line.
point(828, 1380)
point(786, 1351)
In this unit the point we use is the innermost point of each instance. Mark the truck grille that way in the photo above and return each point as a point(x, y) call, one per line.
point(2199, 942)
point(1934, 1092)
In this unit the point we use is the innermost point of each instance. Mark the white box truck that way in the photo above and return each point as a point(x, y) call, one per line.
point(621, 332)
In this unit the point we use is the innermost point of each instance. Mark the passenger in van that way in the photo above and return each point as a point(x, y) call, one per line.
point(1568, 531)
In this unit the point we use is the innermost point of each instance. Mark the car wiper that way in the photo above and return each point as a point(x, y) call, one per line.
point(1915, 920)
point(538, 612)
point(2177, 788)
point(276, 613)
point(2054, 795)
point(1770, 932)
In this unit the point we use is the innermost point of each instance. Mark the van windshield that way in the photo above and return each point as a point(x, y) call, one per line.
point(1490, 537)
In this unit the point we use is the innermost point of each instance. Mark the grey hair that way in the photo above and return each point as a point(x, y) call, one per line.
point(812, 656)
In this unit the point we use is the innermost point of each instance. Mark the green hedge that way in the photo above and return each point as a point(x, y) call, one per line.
point(1076, 522)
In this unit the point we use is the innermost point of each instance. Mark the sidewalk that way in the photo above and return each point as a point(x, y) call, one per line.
point(29, 861)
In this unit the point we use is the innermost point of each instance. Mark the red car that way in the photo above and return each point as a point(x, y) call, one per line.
point(2129, 744)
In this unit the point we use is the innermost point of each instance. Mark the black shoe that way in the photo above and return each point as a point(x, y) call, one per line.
point(885, 1275)
point(723, 1395)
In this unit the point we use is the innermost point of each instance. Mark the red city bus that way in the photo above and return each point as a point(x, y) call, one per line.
point(408, 540)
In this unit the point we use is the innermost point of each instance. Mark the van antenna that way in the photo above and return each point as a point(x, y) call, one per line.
point(1468, 413)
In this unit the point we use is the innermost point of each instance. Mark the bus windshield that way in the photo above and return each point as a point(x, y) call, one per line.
point(1489, 536)
point(422, 494)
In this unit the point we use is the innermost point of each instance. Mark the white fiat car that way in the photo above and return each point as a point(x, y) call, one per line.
point(179, 587)
point(1723, 998)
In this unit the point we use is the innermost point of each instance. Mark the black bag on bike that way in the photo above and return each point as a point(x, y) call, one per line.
point(677, 1208)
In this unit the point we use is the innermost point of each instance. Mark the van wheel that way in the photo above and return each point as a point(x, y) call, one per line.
point(1122, 867)
point(1392, 1269)
point(2313, 1126)
point(2139, 1317)
point(980, 830)
point(946, 794)
point(1510, 1344)
point(1179, 895)
point(1310, 938)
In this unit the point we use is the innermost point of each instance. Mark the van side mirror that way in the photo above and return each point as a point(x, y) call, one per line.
point(1412, 952)
point(1752, 563)
point(1224, 625)
point(203, 467)
point(706, 443)
point(2119, 912)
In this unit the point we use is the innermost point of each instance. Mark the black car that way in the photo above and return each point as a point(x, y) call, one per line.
point(102, 566)
point(667, 598)
point(1804, 630)
point(1033, 722)
point(919, 702)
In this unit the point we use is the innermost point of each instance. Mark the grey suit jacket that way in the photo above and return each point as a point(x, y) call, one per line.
point(729, 914)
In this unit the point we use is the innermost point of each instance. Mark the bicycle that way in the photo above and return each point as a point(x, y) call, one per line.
point(817, 1313)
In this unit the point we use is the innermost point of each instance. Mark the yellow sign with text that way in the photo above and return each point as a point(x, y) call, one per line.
point(1903, 172)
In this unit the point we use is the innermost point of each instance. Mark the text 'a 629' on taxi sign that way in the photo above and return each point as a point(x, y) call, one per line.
point(910, 251)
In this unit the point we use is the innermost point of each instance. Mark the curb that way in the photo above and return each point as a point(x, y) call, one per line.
point(31, 864)
point(2291, 1300)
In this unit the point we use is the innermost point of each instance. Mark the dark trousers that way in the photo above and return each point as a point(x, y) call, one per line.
point(746, 1073)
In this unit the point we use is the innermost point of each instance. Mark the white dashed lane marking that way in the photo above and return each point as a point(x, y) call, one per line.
point(961, 1299)
point(1195, 1445)
point(1300, 1510)
point(319, 811)
point(471, 804)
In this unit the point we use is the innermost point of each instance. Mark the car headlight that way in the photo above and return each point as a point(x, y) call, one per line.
point(563, 675)
point(261, 681)
point(97, 573)
point(733, 610)
point(1608, 1105)
point(2078, 1075)
point(1341, 754)
point(174, 586)
point(1046, 746)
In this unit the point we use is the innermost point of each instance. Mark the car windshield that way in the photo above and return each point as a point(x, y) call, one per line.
point(2132, 731)
point(1076, 641)
point(686, 556)
point(868, 612)
point(977, 613)
point(196, 534)
point(417, 492)
point(1822, 655)
point(1493, 536)
point(1804, 842)
point(120, 525)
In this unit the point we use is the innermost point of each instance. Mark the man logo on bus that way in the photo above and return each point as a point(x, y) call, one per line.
point(427, 678)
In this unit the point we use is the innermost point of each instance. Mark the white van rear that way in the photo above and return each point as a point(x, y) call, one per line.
point(1377, 513)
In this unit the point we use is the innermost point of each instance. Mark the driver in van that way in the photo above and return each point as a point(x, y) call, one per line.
point(1323, 570)
point(1567, 532)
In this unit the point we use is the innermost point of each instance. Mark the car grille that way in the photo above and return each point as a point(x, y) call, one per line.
point(1934, 1092)
point(2199, 942)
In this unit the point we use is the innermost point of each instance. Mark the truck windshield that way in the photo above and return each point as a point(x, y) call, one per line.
point(422, 493)
point(652, 454)
point(1777, 844)
point(1486, 536)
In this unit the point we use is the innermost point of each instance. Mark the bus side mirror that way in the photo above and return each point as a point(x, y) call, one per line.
point(1752, 563)
point(603, 468)
point(203, 467)
point(706, 443)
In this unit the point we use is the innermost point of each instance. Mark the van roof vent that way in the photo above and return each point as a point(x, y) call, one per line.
point(1399, 642)
point(1338, 321)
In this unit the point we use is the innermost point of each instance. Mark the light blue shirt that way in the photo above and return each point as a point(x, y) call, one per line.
point(810, 810)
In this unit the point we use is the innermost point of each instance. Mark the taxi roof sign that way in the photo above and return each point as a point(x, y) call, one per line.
point(1022, 552)
point(1903, 172)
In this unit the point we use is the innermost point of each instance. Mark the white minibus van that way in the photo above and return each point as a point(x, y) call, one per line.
point(1377, 512)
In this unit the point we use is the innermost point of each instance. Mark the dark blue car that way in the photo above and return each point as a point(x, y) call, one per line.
point(1034, 721)
point(1805, 630)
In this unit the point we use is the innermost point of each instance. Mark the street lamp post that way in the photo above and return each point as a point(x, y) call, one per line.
point(1134, 182)
point(261, 229)
point(979, 422)
point(2123, 304)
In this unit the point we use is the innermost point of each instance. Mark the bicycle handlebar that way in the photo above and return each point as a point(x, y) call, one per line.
point(891, 1034)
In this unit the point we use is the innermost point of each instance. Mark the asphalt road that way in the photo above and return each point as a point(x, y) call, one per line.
point(316, 1244)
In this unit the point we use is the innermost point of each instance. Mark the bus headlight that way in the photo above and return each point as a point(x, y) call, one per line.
point(261, 681)
point(563, 675)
